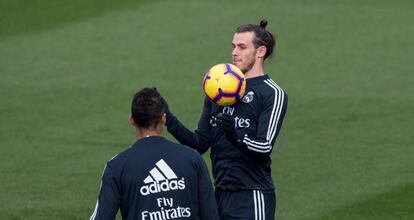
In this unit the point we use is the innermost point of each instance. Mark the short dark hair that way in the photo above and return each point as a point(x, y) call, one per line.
point(147, 108)
point(262, 36)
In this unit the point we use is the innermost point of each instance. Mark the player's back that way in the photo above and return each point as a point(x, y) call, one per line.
point(158, 179)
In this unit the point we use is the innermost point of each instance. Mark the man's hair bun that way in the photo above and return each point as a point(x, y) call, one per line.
point(263, 23)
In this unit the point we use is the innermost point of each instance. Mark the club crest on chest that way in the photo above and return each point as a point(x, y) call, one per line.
point(248, 97)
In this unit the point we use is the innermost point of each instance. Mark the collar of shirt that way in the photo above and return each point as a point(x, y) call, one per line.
point(256, 80)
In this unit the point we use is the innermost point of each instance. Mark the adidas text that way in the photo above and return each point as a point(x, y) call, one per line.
point(163, 186)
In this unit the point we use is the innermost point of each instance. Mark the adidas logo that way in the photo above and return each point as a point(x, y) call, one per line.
point(161, 179)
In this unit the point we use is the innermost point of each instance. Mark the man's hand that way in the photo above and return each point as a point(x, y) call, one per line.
point(225, 122)
point(170, 117)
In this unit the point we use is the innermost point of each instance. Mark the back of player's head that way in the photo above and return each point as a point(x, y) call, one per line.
point(263, 36)
point(147, 108)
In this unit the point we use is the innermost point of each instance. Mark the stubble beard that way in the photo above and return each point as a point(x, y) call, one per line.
point(249, 66)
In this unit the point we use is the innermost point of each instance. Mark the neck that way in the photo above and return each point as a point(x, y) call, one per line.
point(255, 71)
point(144, 133)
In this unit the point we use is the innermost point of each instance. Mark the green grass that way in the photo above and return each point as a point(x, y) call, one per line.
point(22, 16)
point(69, 70)
point(393, 204)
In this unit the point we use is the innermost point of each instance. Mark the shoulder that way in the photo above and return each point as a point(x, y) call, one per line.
point(270, 86)
point(270, 91)
point(178, 148)
point(118, 158)
point(187, 153)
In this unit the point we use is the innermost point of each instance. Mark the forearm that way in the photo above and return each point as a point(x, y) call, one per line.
point(250, 146)
point(186, 137)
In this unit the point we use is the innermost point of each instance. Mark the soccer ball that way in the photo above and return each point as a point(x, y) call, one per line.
point(224, 84)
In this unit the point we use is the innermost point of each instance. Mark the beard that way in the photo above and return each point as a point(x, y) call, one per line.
point(249, 66)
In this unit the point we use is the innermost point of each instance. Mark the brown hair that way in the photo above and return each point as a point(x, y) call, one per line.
point(262, 36)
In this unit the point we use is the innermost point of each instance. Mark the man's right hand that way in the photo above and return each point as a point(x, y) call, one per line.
point(170, 117)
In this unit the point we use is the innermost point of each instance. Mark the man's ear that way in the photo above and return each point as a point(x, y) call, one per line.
point(164, 119)
point(261, 51)
point(131, 121)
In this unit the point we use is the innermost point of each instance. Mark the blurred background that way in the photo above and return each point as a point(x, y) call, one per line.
point(69, 69)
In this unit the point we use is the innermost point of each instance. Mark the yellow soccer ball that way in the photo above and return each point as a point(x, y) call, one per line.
point(224, 84)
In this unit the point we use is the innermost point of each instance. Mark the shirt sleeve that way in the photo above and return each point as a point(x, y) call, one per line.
point(199, 139)
point(260, 144)
point(207, 202)
point(109, 197)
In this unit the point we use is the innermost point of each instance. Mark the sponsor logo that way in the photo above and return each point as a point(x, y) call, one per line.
point(241, 122)
point(238, 121)
point(161, 179)
point(167, 213)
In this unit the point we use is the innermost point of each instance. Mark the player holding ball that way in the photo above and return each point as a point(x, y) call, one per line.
point(242, 136)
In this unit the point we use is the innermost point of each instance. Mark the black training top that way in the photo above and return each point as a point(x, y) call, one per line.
point(156, 179)
point(258, 118)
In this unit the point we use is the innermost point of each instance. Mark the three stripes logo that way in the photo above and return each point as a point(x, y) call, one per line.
point(161, 178)
point(259, 205)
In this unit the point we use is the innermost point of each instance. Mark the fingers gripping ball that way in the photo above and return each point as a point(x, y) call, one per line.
point(224, 84)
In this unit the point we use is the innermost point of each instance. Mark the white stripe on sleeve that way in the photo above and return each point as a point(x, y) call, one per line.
point(279, 109)
point(265, 147)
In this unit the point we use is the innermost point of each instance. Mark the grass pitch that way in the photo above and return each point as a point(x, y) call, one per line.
point(69, 70)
